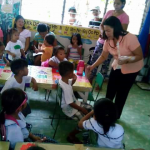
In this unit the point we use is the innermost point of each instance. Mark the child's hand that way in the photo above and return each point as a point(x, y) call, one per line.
point(13, 55)
point(35, 87)
point(7, 64)
point(74, 77)
point(38, 139)
point(84, 111)
point(36, 50)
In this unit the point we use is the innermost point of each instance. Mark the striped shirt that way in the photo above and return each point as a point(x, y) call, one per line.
point(74, 53)
point(113, 138)
point(38, 37)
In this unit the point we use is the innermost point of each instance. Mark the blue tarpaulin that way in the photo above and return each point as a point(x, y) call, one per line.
point(143, 36)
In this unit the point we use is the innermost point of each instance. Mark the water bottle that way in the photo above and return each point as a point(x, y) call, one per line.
point(80, 68)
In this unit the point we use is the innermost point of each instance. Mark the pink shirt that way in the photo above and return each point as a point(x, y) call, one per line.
point(124, 19)
point(1, 33)
point(127, 44)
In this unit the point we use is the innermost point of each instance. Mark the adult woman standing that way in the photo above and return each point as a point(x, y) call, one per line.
point(124, 19)
point(24, 35)
point(128, 60)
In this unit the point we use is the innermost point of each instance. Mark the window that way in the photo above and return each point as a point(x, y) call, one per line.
point(43, 10)
point(83, 7)
point(51, 11)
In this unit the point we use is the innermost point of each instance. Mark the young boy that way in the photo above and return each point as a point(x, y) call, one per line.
point(20, 69)
point(70, 105)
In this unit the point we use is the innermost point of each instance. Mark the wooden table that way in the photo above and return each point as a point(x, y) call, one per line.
point(22, 146)
point(4, 145)
point(47, 77)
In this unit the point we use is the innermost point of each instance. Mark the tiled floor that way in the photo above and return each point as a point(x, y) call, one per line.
point(135, 118)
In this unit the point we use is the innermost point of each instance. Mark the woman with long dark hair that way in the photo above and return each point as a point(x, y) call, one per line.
point(128, 60)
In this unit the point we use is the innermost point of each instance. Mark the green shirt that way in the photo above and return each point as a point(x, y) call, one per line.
point(38, 37)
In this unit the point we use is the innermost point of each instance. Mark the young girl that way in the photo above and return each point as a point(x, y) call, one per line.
point(102, 121)
point(13, 101)
point(47, 47)
point(3, 59)
point(14, 47)
point(59, 56)
point(75, 48)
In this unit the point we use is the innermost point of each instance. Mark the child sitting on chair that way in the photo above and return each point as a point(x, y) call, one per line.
point(14, 47)
point(74, 51)
point(20, 69)
point(102, 121)
point(70, 105)
point(13, 101)
point(47, 47)
point(59, 56)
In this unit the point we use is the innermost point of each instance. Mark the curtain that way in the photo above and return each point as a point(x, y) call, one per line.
point(8, 10)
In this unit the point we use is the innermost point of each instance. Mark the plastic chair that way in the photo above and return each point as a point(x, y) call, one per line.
point(58, 104)
point(98, 81)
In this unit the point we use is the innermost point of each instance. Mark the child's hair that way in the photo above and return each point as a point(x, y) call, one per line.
point(17, 65)
point(11, 99)
point(43, 27)
point(72, 9)
point(50, 39)
point(16, 19)
point(12, 31)
point(78, 38)
point(1, 43)
point(36, 148)
point(65, 67)
point(57, 49)
point(105, 113)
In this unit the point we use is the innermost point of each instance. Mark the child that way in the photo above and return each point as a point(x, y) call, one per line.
point(3, 60)
point(70, 105)
point(20, 69)
point(13, 101)
point(59, 56)
point(14, 47)
point(47, 47)
point(74, 51)
point(42, 31)
point(36, 148)
point(20, 78)
point(104, 116)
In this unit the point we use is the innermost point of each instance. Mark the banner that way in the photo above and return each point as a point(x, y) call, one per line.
point(65, 30)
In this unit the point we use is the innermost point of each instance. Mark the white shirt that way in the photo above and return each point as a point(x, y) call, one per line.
point(56, 60)
point(15, 133)
point(14, 48)
point(68, 98)
point(23, 35)
point(12, 83)
point(114, 137)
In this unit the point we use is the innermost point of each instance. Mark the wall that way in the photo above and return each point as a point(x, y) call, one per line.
point(63, 34)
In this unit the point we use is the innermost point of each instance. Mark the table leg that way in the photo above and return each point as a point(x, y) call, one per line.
point(84, 96)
